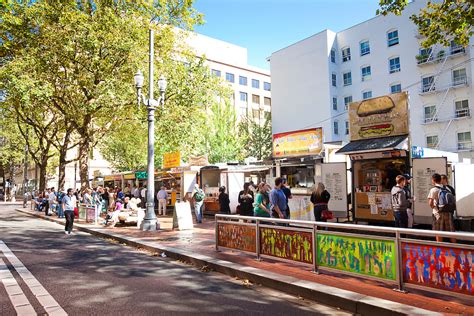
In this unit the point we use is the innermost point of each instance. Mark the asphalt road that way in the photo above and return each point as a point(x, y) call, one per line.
point(86, 275)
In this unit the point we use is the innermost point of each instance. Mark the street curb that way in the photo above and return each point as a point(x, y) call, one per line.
point(346, 300)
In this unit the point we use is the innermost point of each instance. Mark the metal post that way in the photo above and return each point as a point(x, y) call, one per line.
point(217, 234)
point(398, 265)
point(25, 174)
point(257, 238)
point(315, 247)
point(150, 222)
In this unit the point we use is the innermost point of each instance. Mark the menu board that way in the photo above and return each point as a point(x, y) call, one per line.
point(334, 178)
point(182, 216)
point(423, 169)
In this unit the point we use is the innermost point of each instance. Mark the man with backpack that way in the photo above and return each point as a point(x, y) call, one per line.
point(400, 202)
point(198, 196)
point(443, 204)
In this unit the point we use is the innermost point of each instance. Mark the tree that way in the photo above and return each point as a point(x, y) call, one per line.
point(258, 136)
point(440, 22)
point(86, 52)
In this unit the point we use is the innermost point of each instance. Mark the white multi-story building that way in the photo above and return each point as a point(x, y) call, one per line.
point(315, 79)
point(251, 85)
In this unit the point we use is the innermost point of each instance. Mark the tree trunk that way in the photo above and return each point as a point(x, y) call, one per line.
point(42, 173)
point(84, 148)
point(62, 168)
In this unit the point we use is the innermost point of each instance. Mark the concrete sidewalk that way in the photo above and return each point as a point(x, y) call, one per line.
point(352, 294)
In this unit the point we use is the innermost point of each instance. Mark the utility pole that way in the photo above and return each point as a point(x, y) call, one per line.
point(25, 173)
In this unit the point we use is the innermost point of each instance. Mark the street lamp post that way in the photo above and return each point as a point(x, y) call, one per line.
point(150, 221)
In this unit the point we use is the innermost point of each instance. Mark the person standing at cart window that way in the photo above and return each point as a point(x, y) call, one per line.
point(246, 199)
point(400, 202)
point(442, 221)
point(162, 197)
point(410, 198)
point(287, 191)
point(444, 182)
point(320, 199)
point(278, 200)
point(224, 201)
point(198, 197)
point(262, 202)
point(69, 202)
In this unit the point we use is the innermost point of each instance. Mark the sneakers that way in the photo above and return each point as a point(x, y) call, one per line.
point(66, 232)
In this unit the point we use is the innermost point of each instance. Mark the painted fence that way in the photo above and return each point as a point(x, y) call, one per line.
point(287, 244)
point(370, 257)
point(422, 264)
point(449, 269)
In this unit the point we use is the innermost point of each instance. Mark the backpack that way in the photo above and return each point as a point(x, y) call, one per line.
point(446, 201)
point(199, 195)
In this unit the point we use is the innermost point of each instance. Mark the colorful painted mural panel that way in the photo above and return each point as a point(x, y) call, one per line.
point(237, 237)
point(286, 244)
point(371, 257)
point(443, 268)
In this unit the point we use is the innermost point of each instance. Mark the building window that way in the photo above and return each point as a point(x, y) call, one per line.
point(267, 101)
point(456, 48)
point(346, 54)
point(394, 64)
point(242, 80)
point(366, 72)
point(347, 76)
point(392, 38)
point(229, 77)
point(267, 86)
point(430, 113)
point(347, 127)
point(216, 72)
point(334, 80)
point(334, 103)
point(364, 48)
point(333, 56)
point(432, 141)
point(347, 101)
point(255, 99)
point(243, 97)
point(425, 55)
point(462, 108)
point(427, 84)
point(395, 88)
point(336, 128)
point(256, 114)
point(464, 140)
point(459, 77)
point(255, 84)
point(366, 95)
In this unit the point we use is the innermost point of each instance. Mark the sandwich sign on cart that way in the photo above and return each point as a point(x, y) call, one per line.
point(379, 117)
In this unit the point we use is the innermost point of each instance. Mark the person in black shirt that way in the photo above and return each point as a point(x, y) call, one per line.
point(444, 182)
point(287, 191)
point(224, 201)
point(320, 198)
point(246, 200)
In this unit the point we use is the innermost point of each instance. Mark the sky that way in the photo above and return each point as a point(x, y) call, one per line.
point(265, 26)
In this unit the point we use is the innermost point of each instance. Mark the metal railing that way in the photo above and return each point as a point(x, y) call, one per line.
point(392, 255)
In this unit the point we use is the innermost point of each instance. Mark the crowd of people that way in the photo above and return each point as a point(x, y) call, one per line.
point(441, 199)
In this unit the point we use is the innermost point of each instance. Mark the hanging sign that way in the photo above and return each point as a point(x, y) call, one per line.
point(298, 143)
point(171, 160)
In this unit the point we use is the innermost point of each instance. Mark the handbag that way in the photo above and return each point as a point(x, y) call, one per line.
point(327, 214)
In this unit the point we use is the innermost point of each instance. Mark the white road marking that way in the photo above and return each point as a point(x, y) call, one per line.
point(44, 298)
point(15, 293)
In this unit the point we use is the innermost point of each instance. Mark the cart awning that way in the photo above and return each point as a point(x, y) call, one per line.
point(375, 144)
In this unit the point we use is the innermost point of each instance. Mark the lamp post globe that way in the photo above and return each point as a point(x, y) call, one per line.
point(162, 84)
point(138, 78)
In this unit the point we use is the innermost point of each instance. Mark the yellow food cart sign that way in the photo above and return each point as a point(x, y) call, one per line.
point(298, 143)
point(379, 117)
point(129, 176)
point(171, 160)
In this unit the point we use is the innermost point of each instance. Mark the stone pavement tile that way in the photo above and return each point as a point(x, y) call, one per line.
point(200, 243)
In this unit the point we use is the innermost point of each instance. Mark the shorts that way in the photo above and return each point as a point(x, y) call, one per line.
point(444, 223)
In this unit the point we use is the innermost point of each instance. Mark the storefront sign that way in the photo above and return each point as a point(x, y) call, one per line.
point(298, 143)
point(140, 175)
point(130, 176)
point(379, 117)
point(171, 160)
point(113, 177)
point(379, 155)
point(198, 161)
point(442, 268)
point(371, 257)
point(237, 237)
point(287, 244)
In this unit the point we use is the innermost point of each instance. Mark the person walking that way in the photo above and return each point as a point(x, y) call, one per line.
point(198, 197)
point(262, 202)
point(410, 198)
point(400, 202)
point(224, 201)
point(320, 199)
point(442, 221)
point(278, 200)
point(246, 200)
point(162, 197)
point(68, 207)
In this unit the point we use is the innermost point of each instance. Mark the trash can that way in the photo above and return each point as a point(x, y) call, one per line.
point(82, 212)
point(90, 214)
